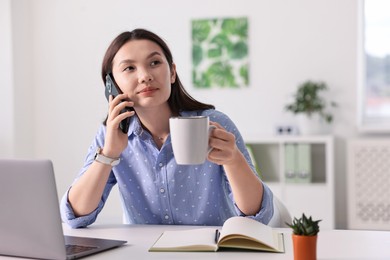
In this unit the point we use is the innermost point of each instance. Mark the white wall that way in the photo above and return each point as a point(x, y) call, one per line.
point(59, 45)
point(7, 102)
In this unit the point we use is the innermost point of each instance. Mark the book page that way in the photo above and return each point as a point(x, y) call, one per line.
point(241, 230)
point(202, 239)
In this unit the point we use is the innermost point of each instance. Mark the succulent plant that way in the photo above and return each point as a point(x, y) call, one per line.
point(305, 226)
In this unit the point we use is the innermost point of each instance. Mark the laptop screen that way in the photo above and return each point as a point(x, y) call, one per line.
point(30, 223)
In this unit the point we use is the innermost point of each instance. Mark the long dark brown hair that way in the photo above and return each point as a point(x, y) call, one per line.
point(179, 100)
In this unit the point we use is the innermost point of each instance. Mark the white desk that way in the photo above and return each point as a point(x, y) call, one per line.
point(332, 244)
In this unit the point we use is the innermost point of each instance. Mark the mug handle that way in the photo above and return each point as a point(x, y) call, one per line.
point(211, 127)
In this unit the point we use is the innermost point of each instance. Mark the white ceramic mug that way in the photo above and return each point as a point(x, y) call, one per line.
point(190, 138)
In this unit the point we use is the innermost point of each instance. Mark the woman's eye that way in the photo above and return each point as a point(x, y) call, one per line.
point(130, 68)
point(154, 63)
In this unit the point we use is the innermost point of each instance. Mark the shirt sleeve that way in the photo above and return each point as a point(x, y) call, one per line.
point(67, 213)
point(266, 210)
point(68, 216)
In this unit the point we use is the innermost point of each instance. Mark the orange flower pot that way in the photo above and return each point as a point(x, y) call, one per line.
point(305, 247)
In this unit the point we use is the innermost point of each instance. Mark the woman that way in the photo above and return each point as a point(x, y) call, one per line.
point(153, 188)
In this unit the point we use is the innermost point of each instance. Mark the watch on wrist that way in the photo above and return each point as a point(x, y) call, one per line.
point(99, 157)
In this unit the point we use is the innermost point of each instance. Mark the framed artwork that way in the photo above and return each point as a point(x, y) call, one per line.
point(220, 53)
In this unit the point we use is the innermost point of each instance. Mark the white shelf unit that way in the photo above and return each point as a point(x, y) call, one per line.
point(315, 198)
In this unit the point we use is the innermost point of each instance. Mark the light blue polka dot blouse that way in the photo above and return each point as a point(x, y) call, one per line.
point(156, 190)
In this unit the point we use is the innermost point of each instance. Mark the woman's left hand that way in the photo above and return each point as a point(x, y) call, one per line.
point(246, 186)
point(223, 143)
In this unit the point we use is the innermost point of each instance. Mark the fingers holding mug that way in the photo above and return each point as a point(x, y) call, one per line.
point(222, 144)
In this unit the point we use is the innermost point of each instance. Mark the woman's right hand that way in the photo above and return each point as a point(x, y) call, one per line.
point(115, 140)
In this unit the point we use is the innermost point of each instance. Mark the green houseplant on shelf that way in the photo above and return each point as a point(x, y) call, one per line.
point(309, 103)
point(305, 231)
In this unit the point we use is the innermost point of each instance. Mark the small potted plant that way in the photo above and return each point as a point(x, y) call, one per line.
point(304, 237)
point(308, 102)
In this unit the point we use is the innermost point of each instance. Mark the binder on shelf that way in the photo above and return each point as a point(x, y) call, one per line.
point(297, 162)
point(290, 162)
point(304, 171)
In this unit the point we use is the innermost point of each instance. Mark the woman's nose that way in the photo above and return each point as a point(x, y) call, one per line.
point(144, 76)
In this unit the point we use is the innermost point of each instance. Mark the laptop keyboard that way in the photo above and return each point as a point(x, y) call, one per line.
point(75, 249)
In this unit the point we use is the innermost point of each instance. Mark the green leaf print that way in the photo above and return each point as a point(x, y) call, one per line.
point(197, 55)
point(244, 74)
point(200, 30)
point(220, 52)
point(221, 74)
point(237, 27)
point(222, 40)
point(238, 50)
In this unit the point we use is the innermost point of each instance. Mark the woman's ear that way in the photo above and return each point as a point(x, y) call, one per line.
point(173, 73)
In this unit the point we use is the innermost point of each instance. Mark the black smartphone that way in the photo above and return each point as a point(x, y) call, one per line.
point(113, 89)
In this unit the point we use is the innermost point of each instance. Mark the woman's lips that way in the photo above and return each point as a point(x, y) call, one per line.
point(148, 90)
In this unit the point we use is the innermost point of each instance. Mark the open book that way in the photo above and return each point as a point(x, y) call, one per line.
point(236, 232)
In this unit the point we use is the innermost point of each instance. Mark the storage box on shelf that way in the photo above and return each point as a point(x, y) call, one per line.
point(300, 171)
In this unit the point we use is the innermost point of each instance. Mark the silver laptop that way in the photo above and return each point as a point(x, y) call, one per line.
point(30, 223)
